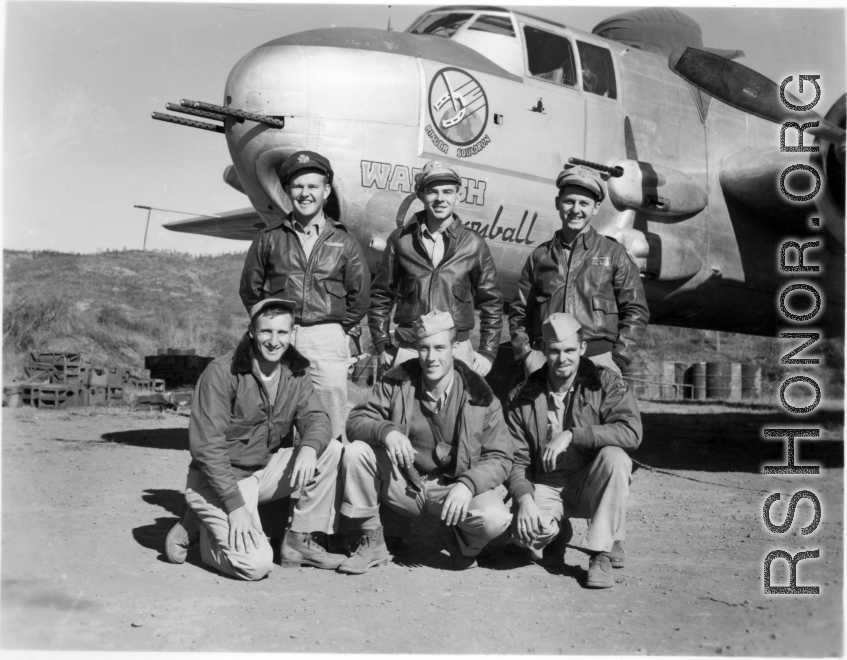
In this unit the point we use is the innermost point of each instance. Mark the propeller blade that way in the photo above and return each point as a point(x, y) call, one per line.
point(746, 90)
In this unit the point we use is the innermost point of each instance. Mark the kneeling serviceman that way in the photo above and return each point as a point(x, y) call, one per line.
point(240, 440)
point(572, 423)
point(430, 439)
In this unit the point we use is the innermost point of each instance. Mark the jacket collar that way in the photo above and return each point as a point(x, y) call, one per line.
point(288, 220)
point(478, 391)
point(587, 237)
point(419, 221)
point(587, 377)
point(242, 359)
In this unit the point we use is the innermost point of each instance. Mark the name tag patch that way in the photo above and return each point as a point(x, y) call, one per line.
point(330, 244)
point(601, 261)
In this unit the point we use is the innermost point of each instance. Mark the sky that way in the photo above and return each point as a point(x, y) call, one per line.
point(80, 80)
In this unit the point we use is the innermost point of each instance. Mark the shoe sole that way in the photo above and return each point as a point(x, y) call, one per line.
point(176, 551)
point(619, 563)
point(599, 585)
point(297, 563)
point(359, 571)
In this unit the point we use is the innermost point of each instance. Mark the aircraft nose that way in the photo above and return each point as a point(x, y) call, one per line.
point(338, 95)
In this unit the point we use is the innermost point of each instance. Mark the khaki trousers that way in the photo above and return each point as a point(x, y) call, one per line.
point(327, 349)
point(370, 477)
point(598, 492)
point(314, 512)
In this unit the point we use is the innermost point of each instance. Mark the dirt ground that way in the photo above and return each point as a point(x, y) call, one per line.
point(88, 496)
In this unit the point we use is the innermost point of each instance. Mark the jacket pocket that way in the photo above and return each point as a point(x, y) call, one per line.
point(540, 311)
point(335, 299)
point(275, 284)
point(237, 441)
point(407, 301)
point(605, 316)
point(462, 306)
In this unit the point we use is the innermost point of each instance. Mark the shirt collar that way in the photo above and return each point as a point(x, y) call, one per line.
point(438, 234)
point(444, 395)
point(319, 224)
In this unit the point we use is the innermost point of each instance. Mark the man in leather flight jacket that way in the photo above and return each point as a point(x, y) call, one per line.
point(313, 260)
point(434, 262)
point(585, 274)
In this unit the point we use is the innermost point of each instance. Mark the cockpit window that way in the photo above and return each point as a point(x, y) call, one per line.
point(549, 57)
point(598, 72)
point(441, 25)
point(496, 24)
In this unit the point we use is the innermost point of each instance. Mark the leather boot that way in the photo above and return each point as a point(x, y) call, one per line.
point(300, 549)
point(370, 552)
point(616, 555)
point(447, 538)
point(182, 535)
point(599, 572)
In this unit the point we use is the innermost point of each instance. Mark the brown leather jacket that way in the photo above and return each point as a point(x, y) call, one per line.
point(484, 454)
point(605, 414)
point(465, 274)
point(234, 428)
point(603, 291)
point(331, 286)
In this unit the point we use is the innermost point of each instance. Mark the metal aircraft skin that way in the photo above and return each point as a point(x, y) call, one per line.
point(698, 204)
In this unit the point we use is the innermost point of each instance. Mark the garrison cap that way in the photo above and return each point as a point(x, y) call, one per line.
point(434, 171)
point(301, 160)
point(432, 323)
point(559, 326)
point(582, 177)
point(259, 306)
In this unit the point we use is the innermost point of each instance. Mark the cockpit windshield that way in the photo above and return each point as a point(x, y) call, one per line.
point(441, 25)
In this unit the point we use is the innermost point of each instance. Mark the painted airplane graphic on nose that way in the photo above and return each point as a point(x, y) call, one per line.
point(458, 102)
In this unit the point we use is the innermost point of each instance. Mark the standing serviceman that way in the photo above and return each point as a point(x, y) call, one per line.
point(313, 260)
point(585, 274)
point(243, 415)
point(573, 424)
point(434, 262)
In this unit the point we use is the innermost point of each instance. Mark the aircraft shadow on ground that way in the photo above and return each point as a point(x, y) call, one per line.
point(733, 442)
point(176, 438)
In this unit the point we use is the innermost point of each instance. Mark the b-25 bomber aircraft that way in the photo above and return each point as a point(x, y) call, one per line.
point(507, 99)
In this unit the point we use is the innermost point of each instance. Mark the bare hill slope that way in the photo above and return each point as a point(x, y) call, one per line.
point(120, 306)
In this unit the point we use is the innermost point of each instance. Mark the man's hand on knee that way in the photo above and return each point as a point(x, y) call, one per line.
point(304, 467)
point(529, 519)
point(243, 530)
point(456, 504)
point(400, 449)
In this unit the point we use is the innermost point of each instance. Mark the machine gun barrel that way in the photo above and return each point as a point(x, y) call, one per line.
point(215, 128)
point(272, 122)
point(173, 107)
point(615, 171)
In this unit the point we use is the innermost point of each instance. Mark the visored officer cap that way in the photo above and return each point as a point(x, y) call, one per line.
point(577, 175)
point(303, 160)
point(436, 171)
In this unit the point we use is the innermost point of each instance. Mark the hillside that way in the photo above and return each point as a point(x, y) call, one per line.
point(120, 306)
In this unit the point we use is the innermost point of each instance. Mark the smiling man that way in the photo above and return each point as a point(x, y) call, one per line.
point(429, 440)
point(243, 415)
point(313, 260)
point(572, 423)
point(434, 262)
point(585, 274)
